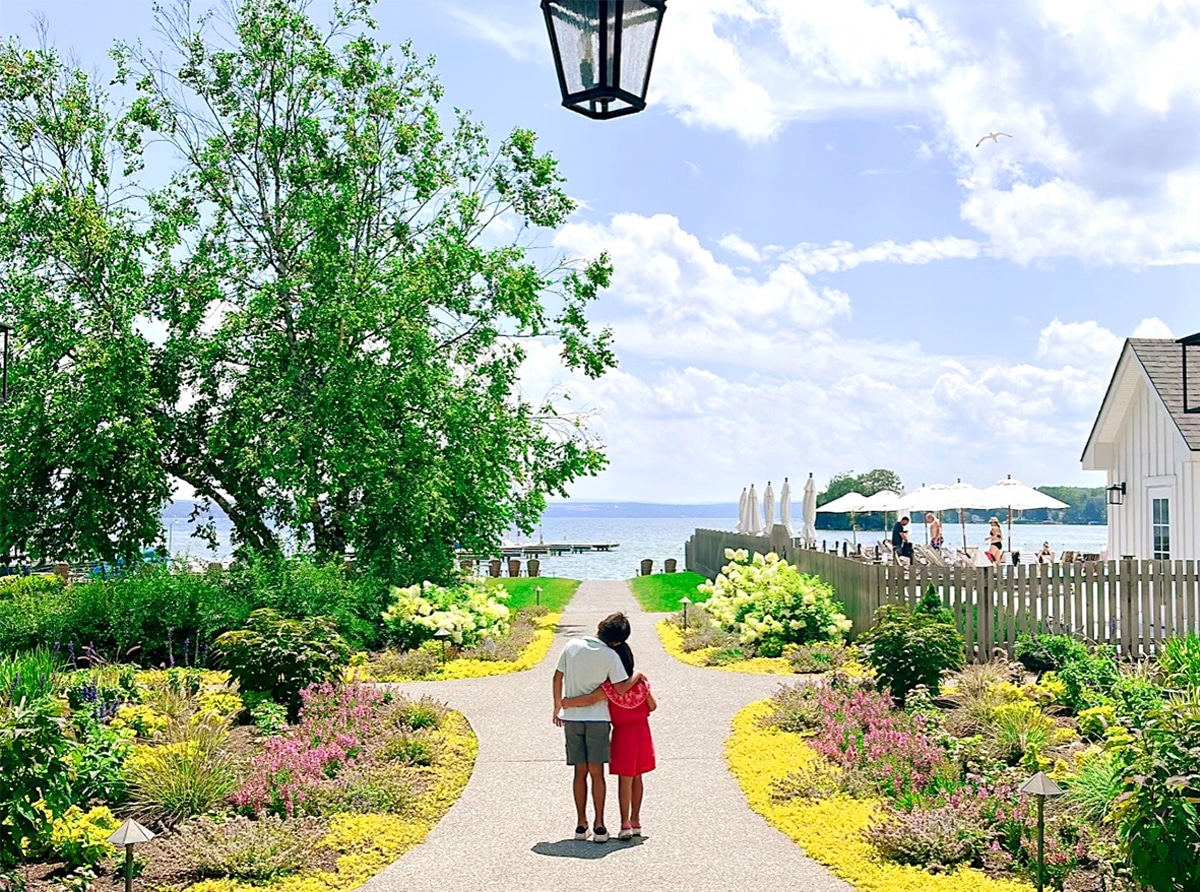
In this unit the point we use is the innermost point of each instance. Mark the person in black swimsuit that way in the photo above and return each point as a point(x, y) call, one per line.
point(995, 540)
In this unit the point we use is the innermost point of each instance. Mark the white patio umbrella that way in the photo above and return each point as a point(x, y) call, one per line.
point(809, 531)
point(741, 523)
point(768, 508)
point(958, 497)
point(923, 500)
point(785, 505)
point(885, 501)
point(851, 503)
point(753, 518)
point(1016, 496)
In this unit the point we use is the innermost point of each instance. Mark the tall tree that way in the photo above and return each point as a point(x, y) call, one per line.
point(80, 459)
point(340, 325)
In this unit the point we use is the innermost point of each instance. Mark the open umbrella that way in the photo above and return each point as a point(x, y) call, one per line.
point(753, 518)
point(885, 501)
point(1016, 496)
point(741, 524)
point(923, 500)
point(768, 508)
point(851, 503)
point(958, 497)
point(809, 533)
point(785, 505)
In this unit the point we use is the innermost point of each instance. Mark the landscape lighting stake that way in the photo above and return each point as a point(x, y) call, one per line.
point(685, 601)
point(128, 835)
point(442, 634)
point(537, 596)
point(1041, 786)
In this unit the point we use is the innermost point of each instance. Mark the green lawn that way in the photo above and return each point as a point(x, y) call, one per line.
point(522, 591)
point(661, 592)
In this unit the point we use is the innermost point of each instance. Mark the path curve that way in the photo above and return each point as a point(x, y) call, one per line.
point(511, 829)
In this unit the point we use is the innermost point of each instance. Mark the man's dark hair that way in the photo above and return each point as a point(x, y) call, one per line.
point(614, 629)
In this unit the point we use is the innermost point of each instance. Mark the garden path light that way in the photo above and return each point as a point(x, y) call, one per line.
point(128, 835)
point(1041, 786)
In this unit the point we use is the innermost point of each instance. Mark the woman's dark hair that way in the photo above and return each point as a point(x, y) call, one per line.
point(626, 656)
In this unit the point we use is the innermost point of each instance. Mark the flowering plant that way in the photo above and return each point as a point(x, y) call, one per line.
point(470, 613)
point(768, 603)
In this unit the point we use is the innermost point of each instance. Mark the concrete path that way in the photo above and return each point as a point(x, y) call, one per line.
point(512, 829)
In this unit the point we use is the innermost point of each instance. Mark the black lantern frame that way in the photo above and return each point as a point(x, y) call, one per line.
point(1116, 494)
point(603, 53)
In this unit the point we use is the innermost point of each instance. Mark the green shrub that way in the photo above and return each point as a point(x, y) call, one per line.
point(410, 749)
point(29, 676)
point(281, 657)
point(416, 715)
point(269, 717)
point(1046, 653)
point(907, 649)
point(189, 774)
point(36, 586)
point(1095, 786)
point(1095, 722)
point(1019, 731)
point(1135, 697)
point(1179, 662)
point(240, 848)
point(34, 765)
point(81, 838)
point(471, 613)
point(1157, 814)
point(817, 658)
point(769, 604)
point(1089, 677)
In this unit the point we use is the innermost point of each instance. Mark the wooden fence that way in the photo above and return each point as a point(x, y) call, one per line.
point(1131, 605)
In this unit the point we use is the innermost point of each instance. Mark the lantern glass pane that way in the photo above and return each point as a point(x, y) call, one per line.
point(637, 41)
point(577, 32)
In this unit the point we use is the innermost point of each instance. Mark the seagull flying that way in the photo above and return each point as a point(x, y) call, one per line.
point(994, 137)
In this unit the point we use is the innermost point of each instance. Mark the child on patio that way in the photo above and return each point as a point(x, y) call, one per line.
point(632, 745)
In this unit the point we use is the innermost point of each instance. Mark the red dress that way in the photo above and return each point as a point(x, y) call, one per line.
point(632, 750)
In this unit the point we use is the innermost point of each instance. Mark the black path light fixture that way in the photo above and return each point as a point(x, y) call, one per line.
point(1116, 493)
point(603, 52)
point(1040, 786)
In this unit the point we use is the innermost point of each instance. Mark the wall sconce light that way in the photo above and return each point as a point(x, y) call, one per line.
point(1116, 494)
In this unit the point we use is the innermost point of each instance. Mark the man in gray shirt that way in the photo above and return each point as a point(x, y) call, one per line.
point(584, 665)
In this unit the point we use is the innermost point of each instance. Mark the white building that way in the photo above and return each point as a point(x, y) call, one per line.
point(1149, 445)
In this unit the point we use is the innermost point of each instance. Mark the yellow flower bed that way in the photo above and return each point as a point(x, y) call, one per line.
point(829, 830)
point(672, 640)
point(533, 653)
point(366, 844)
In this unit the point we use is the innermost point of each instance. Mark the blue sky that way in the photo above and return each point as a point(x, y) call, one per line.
point(816, 270)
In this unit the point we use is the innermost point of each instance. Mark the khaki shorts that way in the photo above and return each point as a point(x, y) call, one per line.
point(587, 742)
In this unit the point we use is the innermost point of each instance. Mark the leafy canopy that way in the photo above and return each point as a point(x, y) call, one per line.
point(314, 323)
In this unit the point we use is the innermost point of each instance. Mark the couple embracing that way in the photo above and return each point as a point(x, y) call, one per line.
point(604, 708)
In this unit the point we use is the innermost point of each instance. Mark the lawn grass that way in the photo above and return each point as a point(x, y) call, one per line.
point(556, 592)
point(661, 592)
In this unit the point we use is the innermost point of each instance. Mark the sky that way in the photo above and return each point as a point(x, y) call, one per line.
point(816, 268)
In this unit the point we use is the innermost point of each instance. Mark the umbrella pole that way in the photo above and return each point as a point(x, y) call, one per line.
point(1010, 529)
point(962, 519)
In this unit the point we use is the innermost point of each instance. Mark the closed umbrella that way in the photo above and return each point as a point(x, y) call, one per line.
point(753, 518)
point(741, 524)
point(785, 506)
point(1016, 496)
point(851, 503)
point(768, 508)
point(809, 532)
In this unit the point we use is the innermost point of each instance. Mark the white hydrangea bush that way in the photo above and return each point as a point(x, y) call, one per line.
point(770, 604)
point(471, 612)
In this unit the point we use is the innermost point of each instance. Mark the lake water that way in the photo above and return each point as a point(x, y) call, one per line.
point(659, 538)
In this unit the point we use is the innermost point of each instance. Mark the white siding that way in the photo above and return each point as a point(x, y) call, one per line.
point(1150, 453)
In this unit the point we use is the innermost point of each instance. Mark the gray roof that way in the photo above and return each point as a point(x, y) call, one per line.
point(1162, 358)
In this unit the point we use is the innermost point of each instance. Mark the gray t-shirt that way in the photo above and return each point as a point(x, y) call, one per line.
point(586, 663)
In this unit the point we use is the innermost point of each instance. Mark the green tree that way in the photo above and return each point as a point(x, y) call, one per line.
point(339, 326)
point(80, 458)
point(866, 484)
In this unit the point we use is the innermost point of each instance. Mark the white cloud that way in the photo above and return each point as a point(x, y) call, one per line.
point(735, 244)
point(727, 376)
point(1102, 98)
point(838, 256)
point(523, 39)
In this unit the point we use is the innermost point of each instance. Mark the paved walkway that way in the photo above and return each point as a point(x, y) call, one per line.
point(512, 829)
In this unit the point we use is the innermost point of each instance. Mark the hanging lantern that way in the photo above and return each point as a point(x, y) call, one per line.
point(603, 52)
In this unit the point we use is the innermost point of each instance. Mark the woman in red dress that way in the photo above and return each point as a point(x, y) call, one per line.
point(632, 748)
